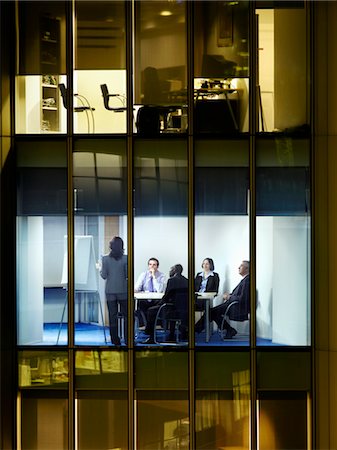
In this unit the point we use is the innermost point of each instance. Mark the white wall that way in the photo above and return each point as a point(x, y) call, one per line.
point(87, 83)
point(283, 279)
point(266, 66)
point(30, 279)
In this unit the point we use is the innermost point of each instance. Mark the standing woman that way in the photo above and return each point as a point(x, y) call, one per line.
point(115, 271)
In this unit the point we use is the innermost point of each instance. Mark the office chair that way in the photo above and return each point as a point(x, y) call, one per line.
point(225, 317)
point(85, 105)
point(174, 314)
point(107, 96)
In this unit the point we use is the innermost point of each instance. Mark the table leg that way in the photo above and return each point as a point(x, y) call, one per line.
point(207, 323)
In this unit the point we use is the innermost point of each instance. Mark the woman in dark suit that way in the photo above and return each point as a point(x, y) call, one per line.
point(206, 281)
point(115, 272)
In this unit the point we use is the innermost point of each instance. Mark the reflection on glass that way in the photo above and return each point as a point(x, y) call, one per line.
point(160, 219)
point(43, 368)
point(161, 370)
point(221, 210)
point(283, 419)
point(222, 400)
point(284, 404)
point(43, 414)
point(221, 66)
point(283, 242)
point(282, 73)
point(100, 206)
point(41, 63)
point(41, 231)
point(98, 370)
point(162, 420)
point(160, 86)
point(102, 419)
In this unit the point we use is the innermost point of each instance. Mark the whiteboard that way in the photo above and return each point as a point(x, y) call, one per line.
point(85, 264)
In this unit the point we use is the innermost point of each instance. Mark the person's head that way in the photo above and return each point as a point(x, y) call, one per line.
point(208, 264)
point(153, 264)
point(116, 247)
point(177, 269)
point(244, 268)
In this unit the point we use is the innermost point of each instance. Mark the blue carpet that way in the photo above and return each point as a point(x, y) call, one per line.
point(90, 334)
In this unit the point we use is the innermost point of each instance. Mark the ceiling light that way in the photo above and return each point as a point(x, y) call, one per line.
point(165, 13)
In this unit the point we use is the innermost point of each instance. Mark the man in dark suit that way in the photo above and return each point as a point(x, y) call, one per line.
point(176, 294)
point(240, 298)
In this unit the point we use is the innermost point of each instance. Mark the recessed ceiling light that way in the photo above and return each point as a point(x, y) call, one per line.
point(165, 13)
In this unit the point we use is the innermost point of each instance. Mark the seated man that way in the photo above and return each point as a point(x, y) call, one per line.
point(149, 281)
point(239, 311)
point(176, 293)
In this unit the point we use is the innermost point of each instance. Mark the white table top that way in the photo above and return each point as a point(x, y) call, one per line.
point(148, 295)
point(206, 294)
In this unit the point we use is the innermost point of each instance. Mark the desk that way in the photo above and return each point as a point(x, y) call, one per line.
point(211, 95)
point(207, 297)
point(147, 296)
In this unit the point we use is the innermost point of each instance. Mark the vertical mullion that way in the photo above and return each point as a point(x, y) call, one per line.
point(70, 225)
point(253, 123)
point(191, 228)
point(129, 5)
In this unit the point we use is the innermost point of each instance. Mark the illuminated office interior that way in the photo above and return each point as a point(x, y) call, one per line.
point(191, 130)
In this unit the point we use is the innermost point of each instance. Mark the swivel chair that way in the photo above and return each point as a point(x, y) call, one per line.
point(85, 105)
point(226, 318)
point(106, 99)
point(175, 315)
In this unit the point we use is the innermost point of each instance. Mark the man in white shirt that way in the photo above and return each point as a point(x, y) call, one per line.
point(152, 280)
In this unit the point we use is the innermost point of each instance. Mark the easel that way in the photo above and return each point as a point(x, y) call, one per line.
point(85, 276)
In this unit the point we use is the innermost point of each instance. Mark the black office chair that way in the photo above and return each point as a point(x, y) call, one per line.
point(107, 96)
point(226, 318)
point(174, 316)
point(85, 105)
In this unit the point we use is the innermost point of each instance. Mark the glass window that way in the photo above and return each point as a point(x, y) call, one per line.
point(222, 242)
point(283, 69)
point(161, 370)
point(162, 420)
point(100, 208)
point(40, 67)
point(221, 66)
point(160, 241)
point(41, 368)
point(100, 67)
point(161, 384)
point(283, 233)
point(222, 416)
point(43, 414)
point(102, 420)
point(160, 67)
point(284, 400)
point(41, 241)
point(101, 369)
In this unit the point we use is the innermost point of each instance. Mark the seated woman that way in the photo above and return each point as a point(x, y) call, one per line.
point(206, 281)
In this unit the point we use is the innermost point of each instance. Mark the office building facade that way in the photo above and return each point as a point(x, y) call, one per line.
point(201, 133)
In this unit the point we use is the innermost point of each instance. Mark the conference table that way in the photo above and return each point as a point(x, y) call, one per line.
point(207, 297)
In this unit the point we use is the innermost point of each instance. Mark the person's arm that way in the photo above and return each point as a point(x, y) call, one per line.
point(159, 283)
point(241, 293)
point(104, 269)
point(139, 286)
point(216, 282)
point(167, 296)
